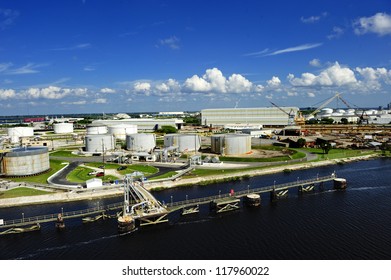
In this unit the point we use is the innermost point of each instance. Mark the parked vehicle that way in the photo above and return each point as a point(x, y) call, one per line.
point(100, 174)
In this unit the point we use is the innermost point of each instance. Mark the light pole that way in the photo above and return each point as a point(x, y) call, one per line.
point(62, 211)
point(248, 188)
point(219, 193)
point(22, 217)
point(274, 185)
point(186, 199)
point(171, 201)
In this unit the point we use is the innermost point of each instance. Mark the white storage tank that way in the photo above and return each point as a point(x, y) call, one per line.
point(63, 128)
point(184, 142)
point(327, 111)
point(99, 143)
point(21, 131)
point(93, 129)
point(119, 131)
point(231, 144)
point(140, 142)
point(25, 161)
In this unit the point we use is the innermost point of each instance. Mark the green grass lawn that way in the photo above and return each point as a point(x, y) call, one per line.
point(63, 153)
point(163, 176)
point(80, 175)
point(146, 169)
point(338, 153)
point(17, 192)
point(55, 165)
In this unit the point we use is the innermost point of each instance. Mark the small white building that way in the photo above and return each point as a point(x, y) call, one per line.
point(94, 183)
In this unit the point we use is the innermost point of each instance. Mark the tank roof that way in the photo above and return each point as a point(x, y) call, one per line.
point(26, 151)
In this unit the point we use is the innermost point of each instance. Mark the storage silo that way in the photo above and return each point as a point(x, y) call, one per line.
point(93, 129)
point(63, 128)
point(184, 142)
point(140, 142)
point(119, 131)
point(21, 131)
point(25, 161)
point(231, 144)
point(99, 143)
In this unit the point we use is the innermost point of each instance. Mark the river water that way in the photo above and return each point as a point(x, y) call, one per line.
point(328, 224)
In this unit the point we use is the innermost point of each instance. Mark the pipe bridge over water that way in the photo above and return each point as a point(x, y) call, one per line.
point(274, 190)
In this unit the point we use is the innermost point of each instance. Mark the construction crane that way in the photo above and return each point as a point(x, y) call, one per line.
point(361, 118)
point(292, 118)
point(317, 110)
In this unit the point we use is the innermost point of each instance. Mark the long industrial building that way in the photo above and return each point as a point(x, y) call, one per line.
point(142, 124)
point(267, 116)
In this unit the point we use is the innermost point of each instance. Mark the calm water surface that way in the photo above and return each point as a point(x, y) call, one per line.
point(351, 224)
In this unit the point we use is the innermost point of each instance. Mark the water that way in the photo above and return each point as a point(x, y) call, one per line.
point(351, 224)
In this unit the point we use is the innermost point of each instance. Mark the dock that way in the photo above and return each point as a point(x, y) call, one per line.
point(144, 209)
point(276, 191)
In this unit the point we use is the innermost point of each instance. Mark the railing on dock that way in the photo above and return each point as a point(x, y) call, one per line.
point(203, 200)
point(65, 215)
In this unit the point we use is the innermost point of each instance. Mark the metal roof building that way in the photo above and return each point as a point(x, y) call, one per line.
point(266, 116)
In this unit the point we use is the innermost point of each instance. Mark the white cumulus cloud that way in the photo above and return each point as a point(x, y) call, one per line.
point(107, 90)
point(274, 82)
point(214, 81)
point(333, 76)
point(170, 85)
point(7, 93)
point(142, 87)
point(100, 101)
point(379, 24)
point(315, 62)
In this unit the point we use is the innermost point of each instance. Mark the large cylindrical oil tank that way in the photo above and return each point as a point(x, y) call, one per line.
point(231, 144)
point(184, 142)
point(99, 143)
point(21, 131)
point(25, 161)
point(140, 142)
point(63, 128)
point(119, 131)
point(93, 129)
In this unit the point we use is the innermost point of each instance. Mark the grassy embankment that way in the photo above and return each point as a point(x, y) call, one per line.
point(332, 155)
point(288, 154)
point(22, 191)
point(80, 174)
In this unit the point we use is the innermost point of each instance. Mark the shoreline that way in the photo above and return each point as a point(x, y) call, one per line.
point(118, 191)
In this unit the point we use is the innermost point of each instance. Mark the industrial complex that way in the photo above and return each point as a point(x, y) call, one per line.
point(25, 146)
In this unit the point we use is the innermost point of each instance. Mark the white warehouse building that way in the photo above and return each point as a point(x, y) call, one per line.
point(265, 116)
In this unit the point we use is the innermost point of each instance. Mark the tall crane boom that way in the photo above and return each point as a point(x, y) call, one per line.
point(291, 114)
point(337, 95)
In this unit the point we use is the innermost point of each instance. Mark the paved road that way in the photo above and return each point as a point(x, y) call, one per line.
point(60, 178)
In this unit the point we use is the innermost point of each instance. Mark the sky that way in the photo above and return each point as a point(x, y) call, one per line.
point(101, 56)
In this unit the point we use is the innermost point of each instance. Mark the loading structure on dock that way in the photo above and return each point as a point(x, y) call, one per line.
point(141, 208)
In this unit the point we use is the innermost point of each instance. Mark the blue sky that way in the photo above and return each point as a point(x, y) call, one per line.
point(85, 56)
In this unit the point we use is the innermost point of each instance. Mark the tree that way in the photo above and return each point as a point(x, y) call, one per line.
point(326, 147)
point(327, 121)
point(301, 142)
point(344, 121)
point(167, 129)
